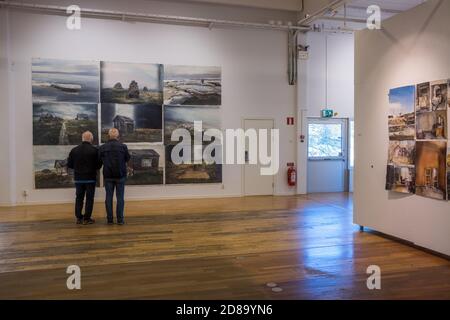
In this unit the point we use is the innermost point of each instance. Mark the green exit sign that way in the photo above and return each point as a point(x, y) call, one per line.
point(327, 113)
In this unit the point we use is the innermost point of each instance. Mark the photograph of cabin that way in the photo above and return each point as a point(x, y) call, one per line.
point(431, 165)
point(50, 167)
point(146, 166)
point(135, 122)
point(63, 123)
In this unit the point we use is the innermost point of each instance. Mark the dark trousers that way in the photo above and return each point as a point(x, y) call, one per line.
point(84, 190)
point(119, 186)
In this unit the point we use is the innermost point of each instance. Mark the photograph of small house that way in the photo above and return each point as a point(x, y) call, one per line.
point(431, 165)
point(146, 166)
point(439, 95)
point(135, 122)
point(431, 125)
point(131, 83)
point(191, 173)
point(65, 81)
point(402, 152)
point(50, 167)
point(423, 97)
point(400, 179)
point(63, 123)
point(192, 85)
point(183, 117)
point(401, 117)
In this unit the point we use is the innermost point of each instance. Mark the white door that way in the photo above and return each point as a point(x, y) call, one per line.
point(256, 184)
point(327, 155)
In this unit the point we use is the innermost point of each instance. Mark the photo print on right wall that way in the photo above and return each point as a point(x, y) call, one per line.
point(418, 154)
point(400, 176)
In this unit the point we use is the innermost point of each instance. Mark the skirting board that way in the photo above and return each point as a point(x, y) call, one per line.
point(131, 199)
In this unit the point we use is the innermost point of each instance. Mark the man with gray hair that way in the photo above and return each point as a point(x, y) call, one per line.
point(114, 156)
point(83, 159)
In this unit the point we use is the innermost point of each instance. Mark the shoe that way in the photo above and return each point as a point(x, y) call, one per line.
point(121, 223)
point(89, 221)
point(110, 222)
point(79, 221)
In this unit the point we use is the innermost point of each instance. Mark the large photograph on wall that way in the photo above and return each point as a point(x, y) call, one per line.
point(401, 117)
point(181, 117)
point(65, 81)
point(71, 97)
point(432, 125)
point(431, 169)
point(135, 122)
point(192, 85)
point(50, 167)
point(439, 95)
point(146, 166)
point(131, 83)
point(401, 166)
point(187, 173)
point(63, 123)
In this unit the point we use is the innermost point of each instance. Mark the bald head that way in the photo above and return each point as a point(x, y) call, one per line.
point(113, 134)
point(87, 137)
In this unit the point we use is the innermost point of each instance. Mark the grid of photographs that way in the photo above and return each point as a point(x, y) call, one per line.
point(71, 97)
point(418, 155)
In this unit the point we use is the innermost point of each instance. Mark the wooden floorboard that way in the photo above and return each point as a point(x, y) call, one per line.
point(211, 249)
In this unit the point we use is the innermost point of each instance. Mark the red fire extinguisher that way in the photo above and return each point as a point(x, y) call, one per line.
point(292, 176)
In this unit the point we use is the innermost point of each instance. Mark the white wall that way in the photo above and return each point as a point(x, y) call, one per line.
point(254, 79)
point(4, 113)
point(326, 79)
point(413, 47)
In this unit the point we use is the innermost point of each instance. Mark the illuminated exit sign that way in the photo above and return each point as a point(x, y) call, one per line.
point(327, 113)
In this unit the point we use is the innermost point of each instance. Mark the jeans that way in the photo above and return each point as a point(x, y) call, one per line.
point(84, 190)
point(119, 185)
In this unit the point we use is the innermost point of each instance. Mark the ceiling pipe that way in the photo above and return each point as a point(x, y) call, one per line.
point(336, 4)
point(354, 20)
point(151, 18)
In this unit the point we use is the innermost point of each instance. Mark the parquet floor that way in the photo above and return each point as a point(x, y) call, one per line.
point(211, 249)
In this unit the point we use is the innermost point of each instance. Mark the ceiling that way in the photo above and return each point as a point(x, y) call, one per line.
point(286, 5)
point(355, 11)
point(356, 14)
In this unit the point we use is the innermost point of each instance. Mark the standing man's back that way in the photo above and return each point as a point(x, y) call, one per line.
point(83, 159)
point(114, 156)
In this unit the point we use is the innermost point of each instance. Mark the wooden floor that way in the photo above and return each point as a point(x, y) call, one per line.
point(211, 249)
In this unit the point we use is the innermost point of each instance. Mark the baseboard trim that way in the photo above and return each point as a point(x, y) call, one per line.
point(407, 243)
point(130, 199)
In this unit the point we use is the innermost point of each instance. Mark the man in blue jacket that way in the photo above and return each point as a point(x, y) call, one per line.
point(114, 156)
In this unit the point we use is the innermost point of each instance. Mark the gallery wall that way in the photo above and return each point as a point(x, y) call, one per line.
point(325, 78)
point(413, 47)
point(254, 83)
point(4, 114)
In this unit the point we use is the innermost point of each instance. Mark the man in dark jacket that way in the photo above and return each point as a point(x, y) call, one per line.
point(83, 159)
point(114, 156)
